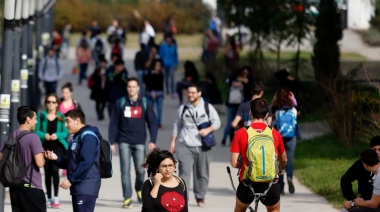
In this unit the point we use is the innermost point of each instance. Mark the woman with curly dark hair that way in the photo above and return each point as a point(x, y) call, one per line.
point(163, 191)
point(285, 121)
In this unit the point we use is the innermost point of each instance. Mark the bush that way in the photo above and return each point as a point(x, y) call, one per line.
point(372, 37)
point(188, 19)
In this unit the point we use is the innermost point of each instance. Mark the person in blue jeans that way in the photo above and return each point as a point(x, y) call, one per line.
point(127, 127)
point(169, 55)
point(283, 99)
point(155, 89)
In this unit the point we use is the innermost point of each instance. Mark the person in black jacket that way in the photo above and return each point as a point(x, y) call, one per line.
point(357, 172)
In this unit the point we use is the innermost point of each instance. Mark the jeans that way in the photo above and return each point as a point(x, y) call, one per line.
point(169, 79)
point(140, 76)
point(99, 106)
point(50, 87)
point(126, 152)
point(159, 101)
point(83, 72)
point(290, 148)
point(231, 113)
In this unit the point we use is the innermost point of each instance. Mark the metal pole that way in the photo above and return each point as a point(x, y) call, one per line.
point(6, 74)
point(39, 28)
point(25, 45)
point(31, 60)
point(15, 83)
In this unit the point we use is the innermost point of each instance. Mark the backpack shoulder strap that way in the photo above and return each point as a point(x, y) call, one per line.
point(57, 65)
point(122, 102)
point(207, 109)
point(144, 102)
point(183, 110)
point(22, 134)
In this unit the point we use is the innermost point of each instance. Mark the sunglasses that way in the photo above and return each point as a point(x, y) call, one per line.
point(48, 102)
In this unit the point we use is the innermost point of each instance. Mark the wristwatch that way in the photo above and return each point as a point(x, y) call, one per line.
point(353, 203)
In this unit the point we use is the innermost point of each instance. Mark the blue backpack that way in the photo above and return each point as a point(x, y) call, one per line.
point(286, 122)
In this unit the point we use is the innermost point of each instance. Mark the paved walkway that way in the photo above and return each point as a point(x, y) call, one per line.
point(220, 196)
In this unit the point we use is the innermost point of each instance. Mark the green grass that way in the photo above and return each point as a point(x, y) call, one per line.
point(319, 164)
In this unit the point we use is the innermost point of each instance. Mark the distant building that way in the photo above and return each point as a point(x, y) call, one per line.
point(211, 3)
point(359, 13)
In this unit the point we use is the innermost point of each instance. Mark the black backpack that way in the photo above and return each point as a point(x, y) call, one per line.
point(12, 168)
point(105, 159)
point(99, 47)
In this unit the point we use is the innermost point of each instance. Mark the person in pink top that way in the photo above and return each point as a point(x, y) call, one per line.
point(67, 103)
point(83, 59)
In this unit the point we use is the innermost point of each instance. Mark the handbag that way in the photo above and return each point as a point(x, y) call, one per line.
point(209, 140)
point(75, 70)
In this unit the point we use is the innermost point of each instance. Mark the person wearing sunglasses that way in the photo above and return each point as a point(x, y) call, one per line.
point(52, 132)
point(163, 191)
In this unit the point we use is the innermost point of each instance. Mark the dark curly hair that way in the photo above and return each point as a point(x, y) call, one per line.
point(154, 159)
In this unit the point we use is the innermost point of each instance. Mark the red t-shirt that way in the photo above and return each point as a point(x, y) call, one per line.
point(240, 142)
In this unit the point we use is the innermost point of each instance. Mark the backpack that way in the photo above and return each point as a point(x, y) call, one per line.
point(99, 46)
point(235, 96)
point(286, 122)
point(116, 49)
point(105, 158)
point(261, 155)
point(12, 168)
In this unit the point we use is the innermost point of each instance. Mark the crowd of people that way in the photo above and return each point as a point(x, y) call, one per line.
point(136, 102)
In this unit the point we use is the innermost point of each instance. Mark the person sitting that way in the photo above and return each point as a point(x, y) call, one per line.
point(163, 191)
point(371, 163)
point(358, 173)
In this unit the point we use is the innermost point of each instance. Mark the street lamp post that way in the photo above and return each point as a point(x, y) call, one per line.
point(6, 75)
point(15, 83)
point(25, 45)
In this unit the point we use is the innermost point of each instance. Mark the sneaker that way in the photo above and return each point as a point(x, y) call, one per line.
point(291, 186)
point(200, 202)
point(48, 203)
point(282, 192)
point(127, 203)
point(139, 198)
point(55, 203)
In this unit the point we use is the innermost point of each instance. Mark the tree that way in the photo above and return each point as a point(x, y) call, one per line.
point(326, 58)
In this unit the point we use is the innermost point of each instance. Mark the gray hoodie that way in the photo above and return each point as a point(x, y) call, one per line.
point(185, 129)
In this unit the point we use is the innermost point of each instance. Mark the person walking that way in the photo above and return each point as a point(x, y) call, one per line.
point(130, 116)
point(190, 153)
point(52, 132)
point(83, 57)
point(97, 83)
point(50, 71)
point(67, 102)
point(163, 191)
point(169, 55)
point(155, 89)
point(243, 117)
point(283, 106)
point(141, 58)
point(81, 161)
point(258, 131)
point(28, 195)
point(116, 82)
